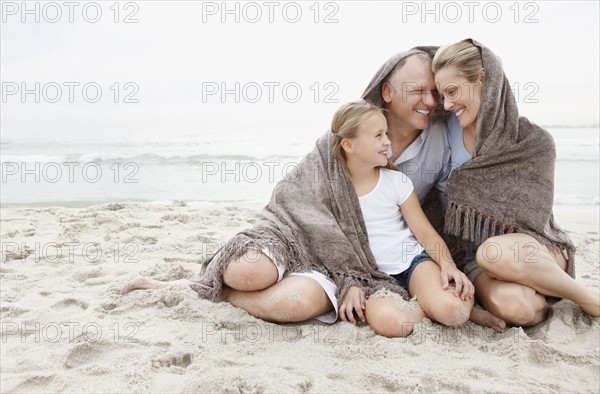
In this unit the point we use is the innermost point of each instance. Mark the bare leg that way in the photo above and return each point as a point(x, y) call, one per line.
point(517, 304)
point(252, 271)
point(519, 258)
point(145, 283)
point(293, 299)
point(387, 319)
point(440, 305)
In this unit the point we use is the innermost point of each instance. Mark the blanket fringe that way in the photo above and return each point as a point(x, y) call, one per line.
point(467, 227)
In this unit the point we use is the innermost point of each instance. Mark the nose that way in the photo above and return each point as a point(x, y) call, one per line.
point(448, 104)
point(387, 141)
point(429, 99)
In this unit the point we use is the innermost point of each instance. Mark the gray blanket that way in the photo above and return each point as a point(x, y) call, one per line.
point(508, 186)
point(312, 222)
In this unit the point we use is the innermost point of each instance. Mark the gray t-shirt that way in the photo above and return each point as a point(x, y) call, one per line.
point(427, 161)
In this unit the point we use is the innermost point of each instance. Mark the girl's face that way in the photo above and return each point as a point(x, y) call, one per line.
point(371, 143)
point(461, 97)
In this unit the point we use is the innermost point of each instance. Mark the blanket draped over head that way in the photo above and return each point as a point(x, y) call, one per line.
point(373, 93)
point(312, 222)
point(508, 186)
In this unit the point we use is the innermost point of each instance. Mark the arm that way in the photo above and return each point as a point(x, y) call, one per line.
point(435, 246)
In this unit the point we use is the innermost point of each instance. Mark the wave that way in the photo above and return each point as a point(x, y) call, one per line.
point(148, 158)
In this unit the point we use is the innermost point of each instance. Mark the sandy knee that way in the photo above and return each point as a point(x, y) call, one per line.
point(451, 311)
point(250, 272)
point(386, 319)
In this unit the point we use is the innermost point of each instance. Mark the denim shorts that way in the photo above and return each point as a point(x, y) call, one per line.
point(403, 278)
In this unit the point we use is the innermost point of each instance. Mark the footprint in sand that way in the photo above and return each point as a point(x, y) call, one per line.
point(39, 384)
point(127, 226)
point(30, 232)
point(82, 354)
point(305, 386)
point(12, 311)
point(178, 218)
point(139, 239)
point(199, 238)
point(11, 234)
point(177, 363)
point(68, 302)
point(88, 274)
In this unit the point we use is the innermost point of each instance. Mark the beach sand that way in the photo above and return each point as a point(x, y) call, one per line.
point(66, 327)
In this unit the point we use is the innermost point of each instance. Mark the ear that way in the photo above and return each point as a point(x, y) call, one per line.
point(481, 76)
point(347, 145)
point(386, 92)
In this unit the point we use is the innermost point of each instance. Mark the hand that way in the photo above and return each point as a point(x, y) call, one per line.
point(463, 288)
point(353, 301)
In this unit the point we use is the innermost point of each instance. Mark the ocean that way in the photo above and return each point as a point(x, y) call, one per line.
point(215, 167)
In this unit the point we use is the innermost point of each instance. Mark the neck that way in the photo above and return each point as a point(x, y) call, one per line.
point(470, 129)
point(400, 136)
point(359, 172)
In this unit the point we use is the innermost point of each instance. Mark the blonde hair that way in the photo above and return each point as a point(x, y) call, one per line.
point(346, 122)
point(464, 55)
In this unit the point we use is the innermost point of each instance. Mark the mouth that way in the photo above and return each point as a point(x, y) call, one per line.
point(459, 112)
point(423, 112)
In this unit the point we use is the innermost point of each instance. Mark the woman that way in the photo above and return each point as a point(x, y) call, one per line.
point(500, 192)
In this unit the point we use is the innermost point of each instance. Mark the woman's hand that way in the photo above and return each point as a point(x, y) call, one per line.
point(353, 301)
point(463, 288)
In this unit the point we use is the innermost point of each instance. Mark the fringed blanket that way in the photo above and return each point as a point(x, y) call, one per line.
point(312, 222)
point(508, 186)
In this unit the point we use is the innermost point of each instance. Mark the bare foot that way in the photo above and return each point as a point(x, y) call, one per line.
point(486, 319)
point(593, 306)
point(139, 283)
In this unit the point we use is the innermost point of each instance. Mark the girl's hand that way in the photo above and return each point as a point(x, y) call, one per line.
point(463, 288)
point(353, 301)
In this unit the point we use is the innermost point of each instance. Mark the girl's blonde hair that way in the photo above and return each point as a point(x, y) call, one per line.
point(463, 55)
point(345, 124)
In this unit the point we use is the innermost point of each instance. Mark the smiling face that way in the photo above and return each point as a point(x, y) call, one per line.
point(460, 96)
point(371, 144)
point(410, 95)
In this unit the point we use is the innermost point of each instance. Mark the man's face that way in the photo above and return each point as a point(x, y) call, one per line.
point(411, 94)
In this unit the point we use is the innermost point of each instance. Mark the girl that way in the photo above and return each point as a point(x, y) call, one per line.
point(402, 240)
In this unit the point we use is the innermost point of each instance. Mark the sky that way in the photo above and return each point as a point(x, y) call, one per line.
point(159, 70)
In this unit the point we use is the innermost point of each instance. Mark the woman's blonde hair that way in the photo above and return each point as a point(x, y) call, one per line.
point(345, 124)
point(463, 55)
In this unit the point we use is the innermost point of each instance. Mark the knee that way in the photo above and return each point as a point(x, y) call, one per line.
point(496, 257)
point(450, 311)
point(388, 321)
point(520, 309)
point(246, 275)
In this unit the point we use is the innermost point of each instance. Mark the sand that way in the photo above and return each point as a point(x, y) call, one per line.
point(66, 327)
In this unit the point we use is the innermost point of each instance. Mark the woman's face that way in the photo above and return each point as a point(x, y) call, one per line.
point(461, 97)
